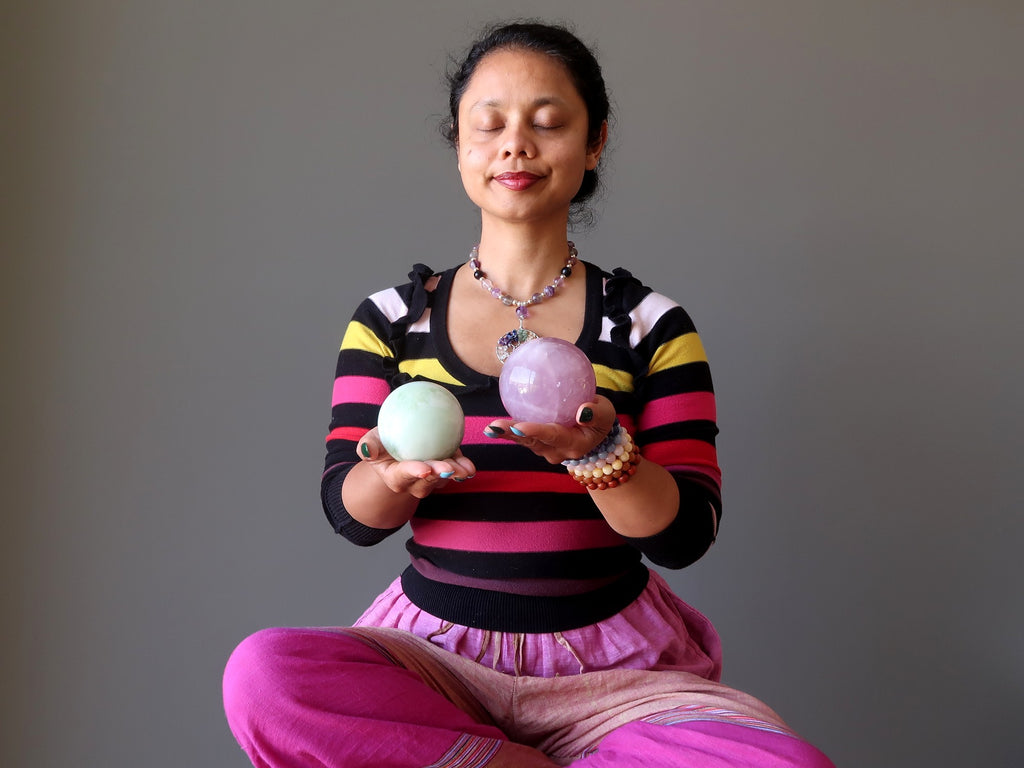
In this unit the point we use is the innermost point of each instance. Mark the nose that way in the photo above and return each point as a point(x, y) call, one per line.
point(518, 141)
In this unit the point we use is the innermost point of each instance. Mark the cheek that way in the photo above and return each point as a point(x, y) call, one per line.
point(469, 158)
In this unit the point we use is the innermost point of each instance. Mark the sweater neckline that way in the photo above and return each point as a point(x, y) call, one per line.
point(471, 376)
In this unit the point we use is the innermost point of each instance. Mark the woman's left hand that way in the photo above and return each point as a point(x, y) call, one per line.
point(555, 442)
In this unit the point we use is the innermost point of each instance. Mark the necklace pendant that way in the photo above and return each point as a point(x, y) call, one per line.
point(508, 343)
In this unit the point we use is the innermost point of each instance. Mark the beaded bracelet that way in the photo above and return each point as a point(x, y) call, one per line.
point(609, 464)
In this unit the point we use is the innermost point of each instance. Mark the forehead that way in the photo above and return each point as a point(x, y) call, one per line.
point(509, 76)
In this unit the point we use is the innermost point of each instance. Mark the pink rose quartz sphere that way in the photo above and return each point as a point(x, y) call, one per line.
point(546, 380)
point(420, 421)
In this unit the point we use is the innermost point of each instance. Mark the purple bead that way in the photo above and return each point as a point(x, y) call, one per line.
point(549, 291)
point(522, 312)
point(546, 380)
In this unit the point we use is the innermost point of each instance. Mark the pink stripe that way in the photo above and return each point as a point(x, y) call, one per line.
point(359, 389)
point(475, 429)
point(553, 536)
point(685, 407)
point(696, 454)
point(516, 482)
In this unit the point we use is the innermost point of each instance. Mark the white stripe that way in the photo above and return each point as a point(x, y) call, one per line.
point(642, 318)
point(646, 314)
point(423, 324)
point(390, 304)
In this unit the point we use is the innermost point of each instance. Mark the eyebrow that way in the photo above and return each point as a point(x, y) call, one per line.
point(542, 101)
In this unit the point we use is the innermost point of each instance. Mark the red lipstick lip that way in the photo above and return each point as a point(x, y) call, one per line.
point(517, 180)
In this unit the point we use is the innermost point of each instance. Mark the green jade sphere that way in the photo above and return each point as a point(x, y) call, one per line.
point(421, 421)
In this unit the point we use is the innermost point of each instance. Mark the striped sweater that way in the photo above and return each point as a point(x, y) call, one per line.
point(521, 546)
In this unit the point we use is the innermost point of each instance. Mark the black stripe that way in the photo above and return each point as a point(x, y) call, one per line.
point(354, 415)
point(579, 564)
point(359, 362)
point(672, 324)
point(689, 377)
point(506, 612)
point(687, 430)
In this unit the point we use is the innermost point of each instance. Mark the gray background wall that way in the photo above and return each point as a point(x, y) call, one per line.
point(195, 194)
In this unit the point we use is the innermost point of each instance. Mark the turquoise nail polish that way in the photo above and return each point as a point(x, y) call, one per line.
point(517, 432)
point(446, 475)
point(493, 431)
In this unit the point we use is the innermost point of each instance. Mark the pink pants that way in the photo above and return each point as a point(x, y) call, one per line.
point(383, 697)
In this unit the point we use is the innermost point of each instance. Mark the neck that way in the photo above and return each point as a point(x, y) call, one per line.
point(522, 260)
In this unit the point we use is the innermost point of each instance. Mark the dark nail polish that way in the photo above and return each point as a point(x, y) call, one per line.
point(586, 415)
point(364, 448)
point(493, 431)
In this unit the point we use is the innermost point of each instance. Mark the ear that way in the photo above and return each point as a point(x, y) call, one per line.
point(594, 150)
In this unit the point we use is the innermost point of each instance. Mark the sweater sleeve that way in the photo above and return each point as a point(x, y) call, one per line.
point(675, 424)
point(367, 370)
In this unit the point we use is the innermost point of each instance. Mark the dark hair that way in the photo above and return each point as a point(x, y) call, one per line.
point(558, 43)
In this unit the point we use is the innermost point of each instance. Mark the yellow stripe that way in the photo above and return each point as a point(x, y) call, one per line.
point(678, 351)
point(358, 336)
point(613, 379)
point(428, 368)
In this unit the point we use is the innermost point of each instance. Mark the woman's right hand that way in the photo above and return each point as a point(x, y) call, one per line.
point(414, 478)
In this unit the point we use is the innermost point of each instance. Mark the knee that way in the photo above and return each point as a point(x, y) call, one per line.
point(258, 672)
point(274, 669)
point(812, 757)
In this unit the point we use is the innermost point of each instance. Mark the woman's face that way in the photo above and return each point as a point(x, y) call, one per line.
point(522, 143)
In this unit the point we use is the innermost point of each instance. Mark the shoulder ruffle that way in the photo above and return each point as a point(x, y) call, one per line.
point(622, 292)
point(416, 297)
point(419, 298)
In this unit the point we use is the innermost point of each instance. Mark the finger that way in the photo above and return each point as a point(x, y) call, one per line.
point(407, 472)
point(598, 415)
point(465, 468)
point(443, 470)
point(499, 428)
point(370, 447)
point(547, 434)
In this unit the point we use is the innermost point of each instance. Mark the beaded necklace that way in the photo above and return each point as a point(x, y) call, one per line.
point(520, 335)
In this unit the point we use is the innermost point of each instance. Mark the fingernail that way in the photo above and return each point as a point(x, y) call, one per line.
point(364, 448)
point(517, 432)
point(586, 415)
point(493, 431)
point(446, 475)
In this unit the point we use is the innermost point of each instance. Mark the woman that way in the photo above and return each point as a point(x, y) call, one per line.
point(526, 631)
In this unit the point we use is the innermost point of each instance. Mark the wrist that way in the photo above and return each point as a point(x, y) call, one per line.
point(611, 463)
